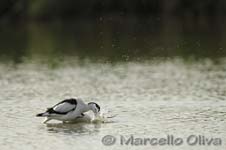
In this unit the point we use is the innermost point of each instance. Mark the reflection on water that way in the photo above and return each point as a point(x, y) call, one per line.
point(112, 38)
point(152, 98)
point(143, 70)
point(73, 128)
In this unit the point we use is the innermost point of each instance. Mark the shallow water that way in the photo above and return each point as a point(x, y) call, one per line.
point(152, 98)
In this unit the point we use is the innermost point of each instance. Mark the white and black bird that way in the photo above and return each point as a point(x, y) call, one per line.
point(69, 110)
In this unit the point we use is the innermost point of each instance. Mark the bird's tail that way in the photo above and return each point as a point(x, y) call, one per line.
point(45, 114)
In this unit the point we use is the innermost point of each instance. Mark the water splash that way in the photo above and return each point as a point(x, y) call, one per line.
point(104, 117)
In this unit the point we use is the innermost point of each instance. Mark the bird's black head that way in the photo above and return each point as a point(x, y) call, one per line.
point(95, 105)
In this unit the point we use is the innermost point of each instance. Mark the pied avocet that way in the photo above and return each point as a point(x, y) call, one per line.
point(69, 110)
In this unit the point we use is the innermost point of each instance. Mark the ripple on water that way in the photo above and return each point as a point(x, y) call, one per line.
point(149, 98)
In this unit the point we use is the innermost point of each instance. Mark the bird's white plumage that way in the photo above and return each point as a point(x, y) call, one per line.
point(69, 110)
point(64, 107)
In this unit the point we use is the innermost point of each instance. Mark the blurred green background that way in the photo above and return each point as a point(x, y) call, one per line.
point(111, 30)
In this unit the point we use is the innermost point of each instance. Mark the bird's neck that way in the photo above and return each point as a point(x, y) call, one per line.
point(88, 107)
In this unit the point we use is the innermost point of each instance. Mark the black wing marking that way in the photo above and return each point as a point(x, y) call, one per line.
point(70, 101)
point(63, 107)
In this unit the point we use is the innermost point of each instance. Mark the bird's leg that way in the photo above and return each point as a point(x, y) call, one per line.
point(46, 120)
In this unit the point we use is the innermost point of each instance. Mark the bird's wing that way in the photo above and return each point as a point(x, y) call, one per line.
point(63, 108)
